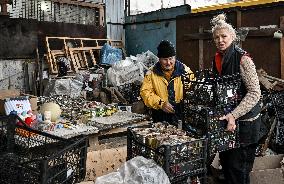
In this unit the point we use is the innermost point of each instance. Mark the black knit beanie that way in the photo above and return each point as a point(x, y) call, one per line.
point(166, 49)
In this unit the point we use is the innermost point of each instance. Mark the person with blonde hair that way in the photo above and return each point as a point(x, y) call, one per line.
point(231, 59)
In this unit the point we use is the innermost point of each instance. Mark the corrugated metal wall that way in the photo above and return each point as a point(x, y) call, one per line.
point(145, 31)
point(53, 11)
point(115, 19)
point(49, 10)
point(193, 46)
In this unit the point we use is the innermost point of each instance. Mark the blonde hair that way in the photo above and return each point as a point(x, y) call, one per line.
point(219, 22)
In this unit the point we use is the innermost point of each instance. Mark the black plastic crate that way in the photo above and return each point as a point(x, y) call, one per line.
point(277, 99)
point(205, 122)
point(196, 179)
point(206, 99)
point(131, 92)
point(178, 161)
point(29, 156)
point(208, 89)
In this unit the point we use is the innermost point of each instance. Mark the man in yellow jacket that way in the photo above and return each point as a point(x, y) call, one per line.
point(162, 88)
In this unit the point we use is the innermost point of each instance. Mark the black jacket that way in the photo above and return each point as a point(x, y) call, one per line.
point(248, 130)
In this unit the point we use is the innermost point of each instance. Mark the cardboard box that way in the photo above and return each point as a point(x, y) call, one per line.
point(33, 101)
point(15, 93)
point(267, 170)
point(7, 94)
point(105, 161)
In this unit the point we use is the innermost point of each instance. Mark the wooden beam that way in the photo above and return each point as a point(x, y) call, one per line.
point(239, 22)
point(200, 45)
point(282, 48)
point(251, 33)
point(102, 17)
point(77, 55)
point(262, 32)
point(239, 19)
point(198, 36)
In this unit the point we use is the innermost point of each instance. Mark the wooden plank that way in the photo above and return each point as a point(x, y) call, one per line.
point(85, 59)
point(239, 19)
point(85, 63)
point(282, 47)
point(81, 60)
point(93, 57)
point(263, 80)
point(102, 17)
point(77, 56)
point(86, 48)
point(73, 62)
point(262, 32)
point(80, 57)
point(124, 129)
point(198, 36)
point(201, 54)
point(251, 33)
point(239, 22)
point(77, 60)
point(49, 58)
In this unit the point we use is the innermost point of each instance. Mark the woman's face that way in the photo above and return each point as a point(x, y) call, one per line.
point(222, 38)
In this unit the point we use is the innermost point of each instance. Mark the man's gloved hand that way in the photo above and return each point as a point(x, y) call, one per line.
point(168, 108)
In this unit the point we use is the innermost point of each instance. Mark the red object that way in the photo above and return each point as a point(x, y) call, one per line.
point(218, 61)
point(28, 121)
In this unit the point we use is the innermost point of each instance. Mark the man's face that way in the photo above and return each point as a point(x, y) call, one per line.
point(223, 39)
point(168, 64)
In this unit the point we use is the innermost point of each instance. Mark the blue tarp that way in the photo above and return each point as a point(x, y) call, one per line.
point(110, 55)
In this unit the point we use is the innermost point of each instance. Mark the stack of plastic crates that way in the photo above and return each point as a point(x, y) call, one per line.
point(181, 162)
point(29, 156)
point(206, 99)
point(131, 92)
point(277, 99)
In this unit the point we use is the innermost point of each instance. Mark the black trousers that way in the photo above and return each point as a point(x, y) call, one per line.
point(237, 164)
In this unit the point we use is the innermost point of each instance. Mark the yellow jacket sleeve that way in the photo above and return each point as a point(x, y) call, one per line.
point(150, 98)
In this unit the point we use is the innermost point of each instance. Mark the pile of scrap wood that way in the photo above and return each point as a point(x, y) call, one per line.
point(81, 52)
point(269, 82)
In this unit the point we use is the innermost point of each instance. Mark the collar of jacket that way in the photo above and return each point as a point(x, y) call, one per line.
point(179, 69)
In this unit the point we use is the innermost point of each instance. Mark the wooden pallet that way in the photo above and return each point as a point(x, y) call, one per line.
point(76, 50)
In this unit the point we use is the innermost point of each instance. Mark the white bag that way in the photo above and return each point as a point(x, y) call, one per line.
point(125, 72)
point(138, 170)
